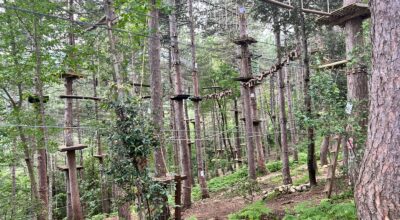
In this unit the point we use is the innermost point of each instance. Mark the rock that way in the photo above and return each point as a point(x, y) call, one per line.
point(292, 190)
point(298, 189)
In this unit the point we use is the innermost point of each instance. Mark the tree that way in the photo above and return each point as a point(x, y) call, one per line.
point(377, 193)
point(156, 87)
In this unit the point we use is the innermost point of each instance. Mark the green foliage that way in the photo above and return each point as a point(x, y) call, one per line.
point(326, 210)
point(253, 211)
point(275, 166)
point(222, 183)
point(131, 140)
point(192, 218)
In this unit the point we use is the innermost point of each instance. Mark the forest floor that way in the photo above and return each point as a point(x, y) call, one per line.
point(220, 205)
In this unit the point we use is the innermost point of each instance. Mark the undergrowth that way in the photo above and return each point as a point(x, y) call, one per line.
point(251, 212)
point(222, 182)
point(340, 207)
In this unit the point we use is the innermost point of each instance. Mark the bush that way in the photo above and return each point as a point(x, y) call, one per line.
point(326, 210)
point(252, 212)
point(274, 166)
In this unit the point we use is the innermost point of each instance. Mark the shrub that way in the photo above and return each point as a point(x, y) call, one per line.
point(326, 210)
point(252, 212)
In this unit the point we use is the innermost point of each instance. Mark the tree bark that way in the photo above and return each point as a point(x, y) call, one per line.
point(292, 122)
point(377, 193)
point(323, 154)
point(41, 139)
point(237, 132)
point(77, 213)
point(257, 133)
point(156, 87)
point(307, 96)
point(196, 92)
point(245, 93)
point(273, 116)
point(179, 112)
point(357, 91)
point(282, 112)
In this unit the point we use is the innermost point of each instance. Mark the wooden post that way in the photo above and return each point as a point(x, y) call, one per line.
point(332, 167)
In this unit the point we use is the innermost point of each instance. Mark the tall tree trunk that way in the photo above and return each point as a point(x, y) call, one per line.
point(245, 92)
point(77, 212)
point(377, 192)
point(105, 199)
point(292, 122)
point(172, 116)
point(273, 116)
point(13, 200)
point(307, 96)
point(156, 87)
point(41, 139)
point(196, 102)
point(237, 133)
point(257, 133)
point(190, 143)
point(282, 112)
point(323, 153)
point(357, 92)
point(179, 112)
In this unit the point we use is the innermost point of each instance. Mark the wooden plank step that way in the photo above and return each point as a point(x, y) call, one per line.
point(64, 148)
point(344, 14)
point(100, 156)
point(244, 41)
point(71, 75)
point(66, 168)
point(140, 85)
point(334, 65)
point(243, 78)
point(79, 97)
point(146, 97)
point(180, 97)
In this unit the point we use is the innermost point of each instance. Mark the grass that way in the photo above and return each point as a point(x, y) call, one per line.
point(252, 212)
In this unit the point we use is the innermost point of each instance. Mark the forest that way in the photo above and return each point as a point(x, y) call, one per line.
point(200, 109)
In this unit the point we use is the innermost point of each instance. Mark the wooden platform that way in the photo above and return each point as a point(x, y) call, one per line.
point(71, 75)
point(180, 97)
point(66, 168)
point(169, 178)
point(256, 122)
point(334, 65)
point(79, 97)
point(64, 148)
point(140, 85)
point(244, 41)
point(35, 99)
point(344, 14)
point(242, 78)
